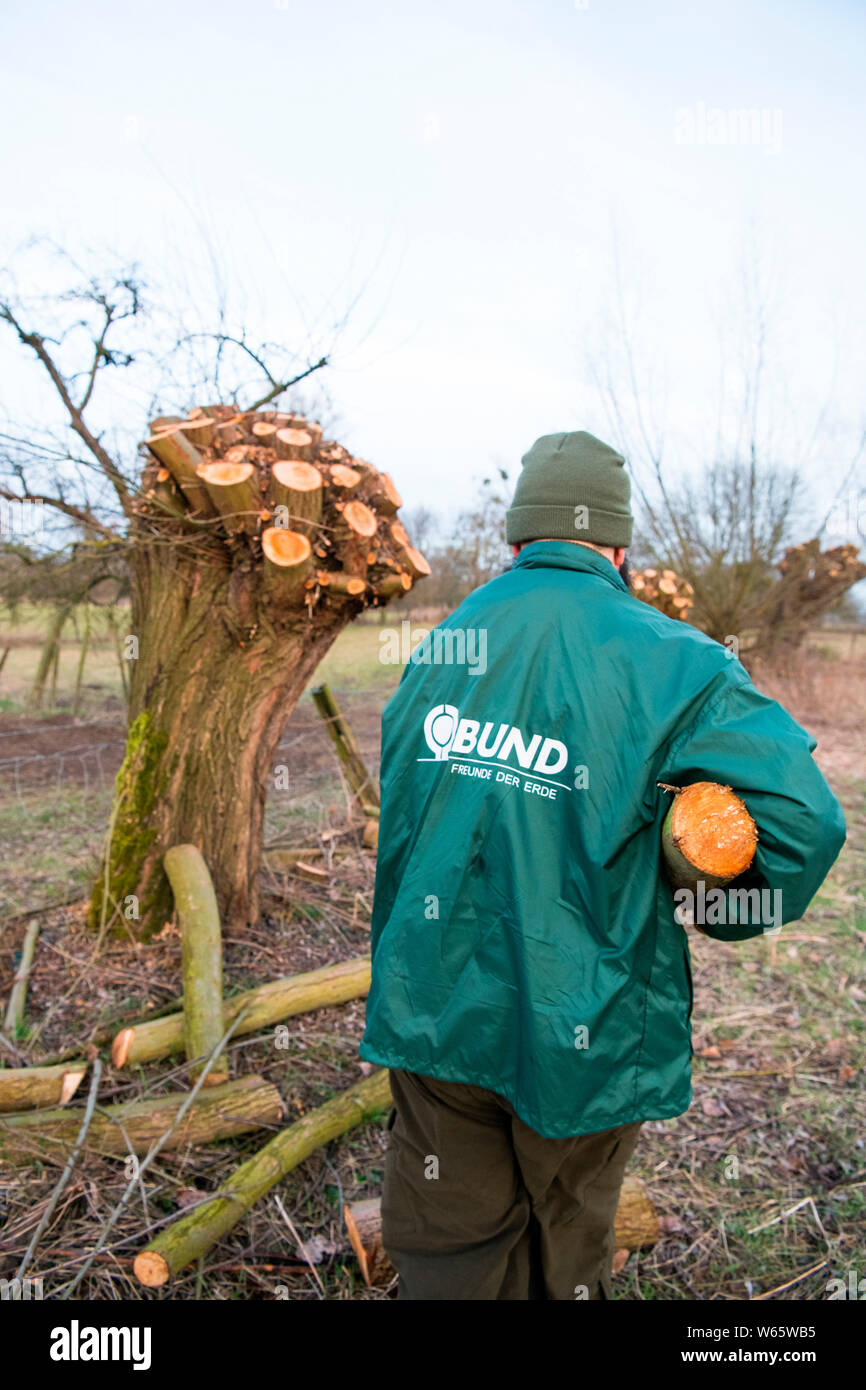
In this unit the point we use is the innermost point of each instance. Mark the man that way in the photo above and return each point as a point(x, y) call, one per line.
point(531, 987)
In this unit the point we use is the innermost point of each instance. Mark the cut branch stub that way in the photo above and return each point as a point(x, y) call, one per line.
point(394, 584)
point(360, 519)
point(182, 459)
point(708, 836)
point(383, 494)
point(234, 490)
point(339, 582)
point(288, 561)
point(199, 431)
point(297, 487)
point(344, 477)
point(264, 431)
point(293, 444)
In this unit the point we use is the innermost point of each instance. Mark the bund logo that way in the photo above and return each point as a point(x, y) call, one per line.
point(440, 727)
point(458, 740)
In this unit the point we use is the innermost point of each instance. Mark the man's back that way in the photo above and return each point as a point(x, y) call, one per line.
point(523, 932)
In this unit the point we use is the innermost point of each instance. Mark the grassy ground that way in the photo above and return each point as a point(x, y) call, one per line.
point(761, 1185)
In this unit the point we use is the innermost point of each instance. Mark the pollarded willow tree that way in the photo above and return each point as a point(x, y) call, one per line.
point(254, 543)
point(251, 542)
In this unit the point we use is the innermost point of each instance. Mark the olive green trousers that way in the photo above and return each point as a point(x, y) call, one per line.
point(476, 1205)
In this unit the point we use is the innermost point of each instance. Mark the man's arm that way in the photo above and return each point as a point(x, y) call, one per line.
point(750, 743)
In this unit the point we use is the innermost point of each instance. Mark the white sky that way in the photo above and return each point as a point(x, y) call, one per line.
point(468, 160)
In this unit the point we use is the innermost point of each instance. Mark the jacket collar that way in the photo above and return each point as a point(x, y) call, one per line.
point(565, 555)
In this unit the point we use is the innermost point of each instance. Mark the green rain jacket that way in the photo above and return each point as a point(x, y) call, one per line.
point(523, 932)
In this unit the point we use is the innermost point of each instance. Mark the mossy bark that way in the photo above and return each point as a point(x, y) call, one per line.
point(211, 687)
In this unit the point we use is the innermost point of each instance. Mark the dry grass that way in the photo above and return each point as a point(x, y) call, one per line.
point(762, 1183)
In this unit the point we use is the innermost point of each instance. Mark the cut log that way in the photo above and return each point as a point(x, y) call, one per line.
point(383, 494)
point(415, 562)
point(234, 490)
point(393, 584)
point(229, 433)
point(191, 1237)
point(182, 459)
point(264, 431)
point(219, 1113)
point(360, 520)
point(636, 1227)
point(200, 431)
point(708, 836)
point(18, 993)
point(338, 582)
point(288, 561)
point(297, 486)
point(164, 422)
point(262, 1007)
point(344, 477)
point(293, 444)
point(363, 786)
point(201, 951)
point(364, 1228)
point(28, 1088)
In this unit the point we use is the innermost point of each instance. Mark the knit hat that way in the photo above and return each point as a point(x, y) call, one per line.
point(572, 487)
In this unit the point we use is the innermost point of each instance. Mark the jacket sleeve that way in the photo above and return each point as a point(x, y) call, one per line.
point(750, 743)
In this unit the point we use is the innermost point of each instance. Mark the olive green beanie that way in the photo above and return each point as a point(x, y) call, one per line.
point(572, 487)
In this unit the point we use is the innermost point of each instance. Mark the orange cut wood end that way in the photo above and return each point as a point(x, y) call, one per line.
point(284, 547)
point(297, 439)
point(120, 1047)
point(360, 518)
point(713, 829)
point(301, 477)
point(344, 476)
point(224, 474)
point(398, 531)
point(418, 560)
point(150, 1269)
point(357, 1244)
point(391, 492)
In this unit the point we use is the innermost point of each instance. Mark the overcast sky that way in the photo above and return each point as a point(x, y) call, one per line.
point(469, 164)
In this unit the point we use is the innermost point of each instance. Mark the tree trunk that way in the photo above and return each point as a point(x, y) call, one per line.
point(222, 656)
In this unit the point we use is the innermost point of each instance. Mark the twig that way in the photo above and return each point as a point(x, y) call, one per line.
point(148, 1159)
point(300, 1244)
point(18, 996)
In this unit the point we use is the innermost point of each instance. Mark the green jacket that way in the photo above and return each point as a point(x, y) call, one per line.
point(523, 929)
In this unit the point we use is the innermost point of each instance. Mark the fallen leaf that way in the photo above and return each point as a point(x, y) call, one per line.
point(317, 1249)
point(711, 1106)
point(847, 1073)
point(670, 1225)
point(709, 1052)
point(620, 1260)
